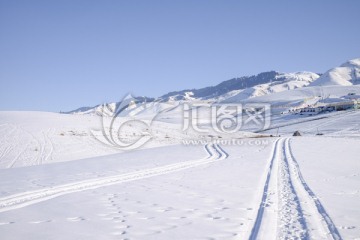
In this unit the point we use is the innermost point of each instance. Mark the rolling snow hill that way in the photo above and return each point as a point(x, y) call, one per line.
point(346, 75)
point(261, 84)
point(281, 82)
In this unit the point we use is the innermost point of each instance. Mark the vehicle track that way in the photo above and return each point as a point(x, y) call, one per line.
point(28, 198)
point(292, 224)
point(316, 210)
point(265, 192)
point(298, 212)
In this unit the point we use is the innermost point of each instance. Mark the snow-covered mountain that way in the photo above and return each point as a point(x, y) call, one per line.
point(238, 90)
point(245, 87)
point(346, 75)
point(109, 108)
point(281, 82)
point(235, 89)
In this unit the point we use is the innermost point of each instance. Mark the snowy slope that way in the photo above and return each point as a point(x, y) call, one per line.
point(345, 75)
point(302, 97)
point(184, 192)
point(245, 87)
point(282, 82)
point(108, 109)
point(36, 138)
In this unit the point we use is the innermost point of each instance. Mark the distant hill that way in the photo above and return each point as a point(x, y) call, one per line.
point(346, 75)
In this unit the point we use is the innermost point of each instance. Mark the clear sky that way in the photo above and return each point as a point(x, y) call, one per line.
point(61, 55)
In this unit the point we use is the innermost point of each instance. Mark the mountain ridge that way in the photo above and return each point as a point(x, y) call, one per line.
point(223, 90)
point(247, 87)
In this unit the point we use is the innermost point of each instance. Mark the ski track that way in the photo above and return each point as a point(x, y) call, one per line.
point(215, 153)
point(12, 151)
point(7, 147)
point(300, 214)
point(30, 160)
point(13, 162)
point(47, 147)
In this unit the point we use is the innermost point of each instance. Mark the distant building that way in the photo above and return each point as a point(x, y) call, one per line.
point(342, 106)
point(332, 104)
point(311, 110)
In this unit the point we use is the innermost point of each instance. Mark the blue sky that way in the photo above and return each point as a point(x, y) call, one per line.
point(60, 55)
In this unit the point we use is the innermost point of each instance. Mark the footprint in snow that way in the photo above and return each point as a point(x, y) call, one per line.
point(6, 223)
point(347, 227)
point(122, 227)
point(41, 221)
point(75, 219)
point(119, 233)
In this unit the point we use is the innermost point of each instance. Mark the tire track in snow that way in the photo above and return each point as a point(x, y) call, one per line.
point(259, 217)
point(292, 224)
point(28, 198)
point(300, 214)
point(317, 208)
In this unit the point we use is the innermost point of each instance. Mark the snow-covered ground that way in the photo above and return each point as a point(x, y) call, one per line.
point(261, 188)
point(33, 138)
